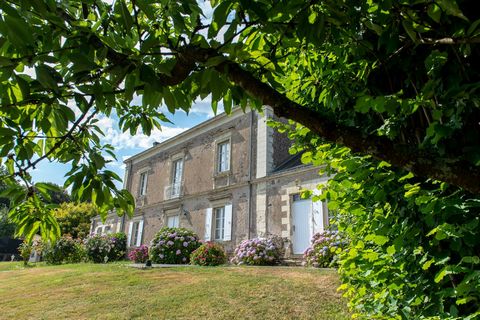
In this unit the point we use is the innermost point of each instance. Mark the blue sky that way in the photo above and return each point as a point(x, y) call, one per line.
point(127, 145)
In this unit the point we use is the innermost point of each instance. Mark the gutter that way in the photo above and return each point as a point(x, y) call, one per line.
point(127, 186)
point(250, 166)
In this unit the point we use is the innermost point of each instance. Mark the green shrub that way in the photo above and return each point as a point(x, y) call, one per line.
point(173, 246)
point(25, 250)
point(64, 250)
point(414, 244)
point(209, 254)
point(106, 248)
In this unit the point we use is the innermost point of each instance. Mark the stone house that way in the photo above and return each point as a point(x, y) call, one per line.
point(228, 179)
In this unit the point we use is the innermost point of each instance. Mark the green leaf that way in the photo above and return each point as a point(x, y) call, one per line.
point(434, 12)
point(219, 18)
point(391, 250)
point(407, 25)
point(127, 19)
point(451, 8)
point(19, 30)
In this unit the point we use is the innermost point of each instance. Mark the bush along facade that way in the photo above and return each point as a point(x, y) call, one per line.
point(139, 255)
point(209, 254)
point(258, 251)
point(413, 247)
point(102, 249)
point(64, 250)
point(324, 250)
point(173, 246)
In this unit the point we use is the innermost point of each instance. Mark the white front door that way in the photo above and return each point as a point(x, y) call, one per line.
point(301, 217)
point(173, 221)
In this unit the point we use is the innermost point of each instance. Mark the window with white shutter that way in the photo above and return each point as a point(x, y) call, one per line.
point(219, 222)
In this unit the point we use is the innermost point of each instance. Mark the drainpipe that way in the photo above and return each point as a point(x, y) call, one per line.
point(127, 186)
point(250, 167)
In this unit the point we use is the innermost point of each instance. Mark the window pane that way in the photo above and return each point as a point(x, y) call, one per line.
point(177, 176)
point(143, 184)
point(133, 241)
point(223, 156)
point(219, 223)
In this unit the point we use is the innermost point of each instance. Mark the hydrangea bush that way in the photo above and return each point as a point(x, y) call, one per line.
point(139, 255)
point(258, 251)
point(209, 254)
point(104, 248)
point(324, 249)
point(64, 250)
point(173, 246)
point(119, 246)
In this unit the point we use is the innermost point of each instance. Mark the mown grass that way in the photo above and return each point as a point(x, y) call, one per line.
point(114, 291)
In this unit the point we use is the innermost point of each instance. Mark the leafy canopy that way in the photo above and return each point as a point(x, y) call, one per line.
point(396, 80)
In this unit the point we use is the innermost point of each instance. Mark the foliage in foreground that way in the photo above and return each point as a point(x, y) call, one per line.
point(258, 251)
point(414, 244)
point(104, 248)
point(209, 254)
point(173, 246)
point(324, 249)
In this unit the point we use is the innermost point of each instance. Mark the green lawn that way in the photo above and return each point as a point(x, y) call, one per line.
point(113, 291)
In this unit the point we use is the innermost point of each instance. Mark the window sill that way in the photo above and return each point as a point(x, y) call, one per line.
point(223, 174)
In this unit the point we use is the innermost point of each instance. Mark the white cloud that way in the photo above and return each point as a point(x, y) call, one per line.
point(123, 140)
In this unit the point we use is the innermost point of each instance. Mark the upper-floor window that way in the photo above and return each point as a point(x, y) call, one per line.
point(223, 156)
point(177, 177)
point(143, 183)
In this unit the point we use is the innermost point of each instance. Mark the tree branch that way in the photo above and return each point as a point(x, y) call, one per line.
point(457, 172)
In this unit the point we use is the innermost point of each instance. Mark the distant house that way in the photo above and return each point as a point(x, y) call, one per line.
point(229, 178)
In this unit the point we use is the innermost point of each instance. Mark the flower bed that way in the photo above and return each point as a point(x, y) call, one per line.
point(173, 246)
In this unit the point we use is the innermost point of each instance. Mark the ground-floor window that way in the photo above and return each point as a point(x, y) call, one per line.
point(173, 221)
point(219, 223)
point(135, 230)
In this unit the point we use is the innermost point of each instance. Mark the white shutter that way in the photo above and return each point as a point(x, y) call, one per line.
point(129, 236)
point(119, 224)
point(140, 232)
point(317, 217)
point(227, 236)
point(208, 224)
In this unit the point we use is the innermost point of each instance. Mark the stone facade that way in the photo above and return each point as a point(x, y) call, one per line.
point(228, 179)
